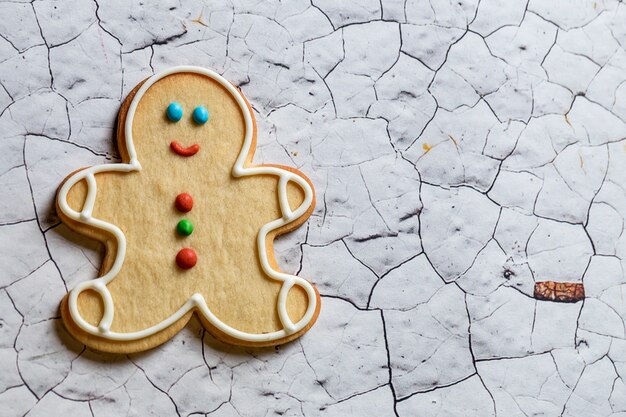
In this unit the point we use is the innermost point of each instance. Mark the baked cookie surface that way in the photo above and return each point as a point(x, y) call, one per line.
point(188, 223)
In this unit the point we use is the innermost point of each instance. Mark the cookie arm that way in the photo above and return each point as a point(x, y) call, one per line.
point(91, 197)
point(305, 186)
point(89, 176)
point(86, 198)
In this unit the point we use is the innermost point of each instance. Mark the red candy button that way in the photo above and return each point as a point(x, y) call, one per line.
point(184, 202)
point(186, 258)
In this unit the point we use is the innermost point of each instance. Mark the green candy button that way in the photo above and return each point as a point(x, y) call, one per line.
point(184, 227)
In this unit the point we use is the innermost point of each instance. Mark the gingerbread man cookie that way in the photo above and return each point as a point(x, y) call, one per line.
point(188, 224)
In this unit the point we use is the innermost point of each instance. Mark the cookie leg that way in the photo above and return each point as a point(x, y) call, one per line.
point(103, 327)
point(98, 286)
point(105, 344)
point(290, 296)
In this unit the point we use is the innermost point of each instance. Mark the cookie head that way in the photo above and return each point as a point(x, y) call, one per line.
point(188, 119)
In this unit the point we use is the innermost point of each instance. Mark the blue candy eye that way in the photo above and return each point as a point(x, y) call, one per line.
point(200, 115)
point(174, 111)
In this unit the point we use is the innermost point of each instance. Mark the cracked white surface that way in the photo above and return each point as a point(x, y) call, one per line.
point(461, 151)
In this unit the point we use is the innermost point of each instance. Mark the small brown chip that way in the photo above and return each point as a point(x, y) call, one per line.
point(564, 292)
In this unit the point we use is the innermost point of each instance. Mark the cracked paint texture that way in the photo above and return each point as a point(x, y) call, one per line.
point(461, 152)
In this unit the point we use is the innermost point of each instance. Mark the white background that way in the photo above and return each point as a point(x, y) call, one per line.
point(460, 150)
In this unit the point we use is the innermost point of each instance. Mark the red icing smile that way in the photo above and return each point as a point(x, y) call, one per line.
point(188, 151)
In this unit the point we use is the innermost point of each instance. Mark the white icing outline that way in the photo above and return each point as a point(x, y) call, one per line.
point(196, 301)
